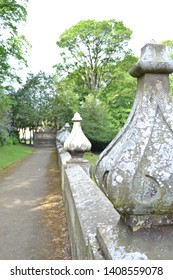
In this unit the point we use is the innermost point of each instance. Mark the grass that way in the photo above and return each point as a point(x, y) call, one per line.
point(12, 154)
point(91, 157)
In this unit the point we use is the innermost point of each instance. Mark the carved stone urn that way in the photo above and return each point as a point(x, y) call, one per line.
point(77, 143)
point(65, 134)
point(136, 169)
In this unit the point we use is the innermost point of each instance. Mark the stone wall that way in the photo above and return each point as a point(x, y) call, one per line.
point(96, 230)
point(44, 139)
point(87, 208)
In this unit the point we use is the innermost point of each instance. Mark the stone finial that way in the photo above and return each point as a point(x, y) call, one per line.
point(154, 59)
point(136, 169)
point(65, 134)
point(77, 143)
point(59, 133)
point(67, 126)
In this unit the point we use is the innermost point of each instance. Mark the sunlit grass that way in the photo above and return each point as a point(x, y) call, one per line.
point(91, 157)
point(11, 154)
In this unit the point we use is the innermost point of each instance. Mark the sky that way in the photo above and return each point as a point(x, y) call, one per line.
point(48, 19)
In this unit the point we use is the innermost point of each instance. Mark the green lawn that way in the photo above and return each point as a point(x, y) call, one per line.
point(91, 157)
point(12, 154)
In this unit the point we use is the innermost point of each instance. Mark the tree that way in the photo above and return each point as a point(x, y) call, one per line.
point(89, 47)
point(65, 102)
point(12, 51)
point(12, 45)
point(96, 61)
point(97, 122)
point(5, 105)
point(31, 103)
point(120, 92)
point(169, 45)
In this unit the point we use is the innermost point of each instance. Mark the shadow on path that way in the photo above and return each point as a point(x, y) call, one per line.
point(32, 218)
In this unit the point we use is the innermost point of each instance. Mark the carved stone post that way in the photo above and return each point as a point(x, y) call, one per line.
point(65, 134)
point(77, 144)
point(136, 169)
point(59, 133)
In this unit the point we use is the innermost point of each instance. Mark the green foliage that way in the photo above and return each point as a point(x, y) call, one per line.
point(98, 123)
point(31, 103)
point(5, 105)
point(4, 136)
point(12, 12)
point(6, 139)
point(65, 102)
point(169, 45)
point(89, 47)
point(12, 45)
point(12, 52)
point(14, 141)
point(96, 60)
point(120, 91)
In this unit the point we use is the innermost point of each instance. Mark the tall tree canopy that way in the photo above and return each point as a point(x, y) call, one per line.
point(94, 71)
point(90, 47)
point(31, 103)
point(12, 52)
point(12, 45)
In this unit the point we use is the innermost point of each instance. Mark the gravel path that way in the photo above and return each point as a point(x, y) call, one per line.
point(32, 218)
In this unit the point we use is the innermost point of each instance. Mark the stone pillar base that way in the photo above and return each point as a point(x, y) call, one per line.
point(81, 162)
point(137, 221)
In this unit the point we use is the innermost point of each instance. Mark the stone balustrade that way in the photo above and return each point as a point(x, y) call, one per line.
point(130, 215)
point(136, 169)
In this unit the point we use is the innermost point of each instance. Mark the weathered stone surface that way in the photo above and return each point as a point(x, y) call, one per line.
point(115, 244)
point(95, 228)
point(118, 242)
point(44, 139)
point(136, 169)
point(153, 60)
point(85, 164)
point(59, 133)
point(86, 208)
point(64, 134)
point(77, 143)
point(94, 250)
